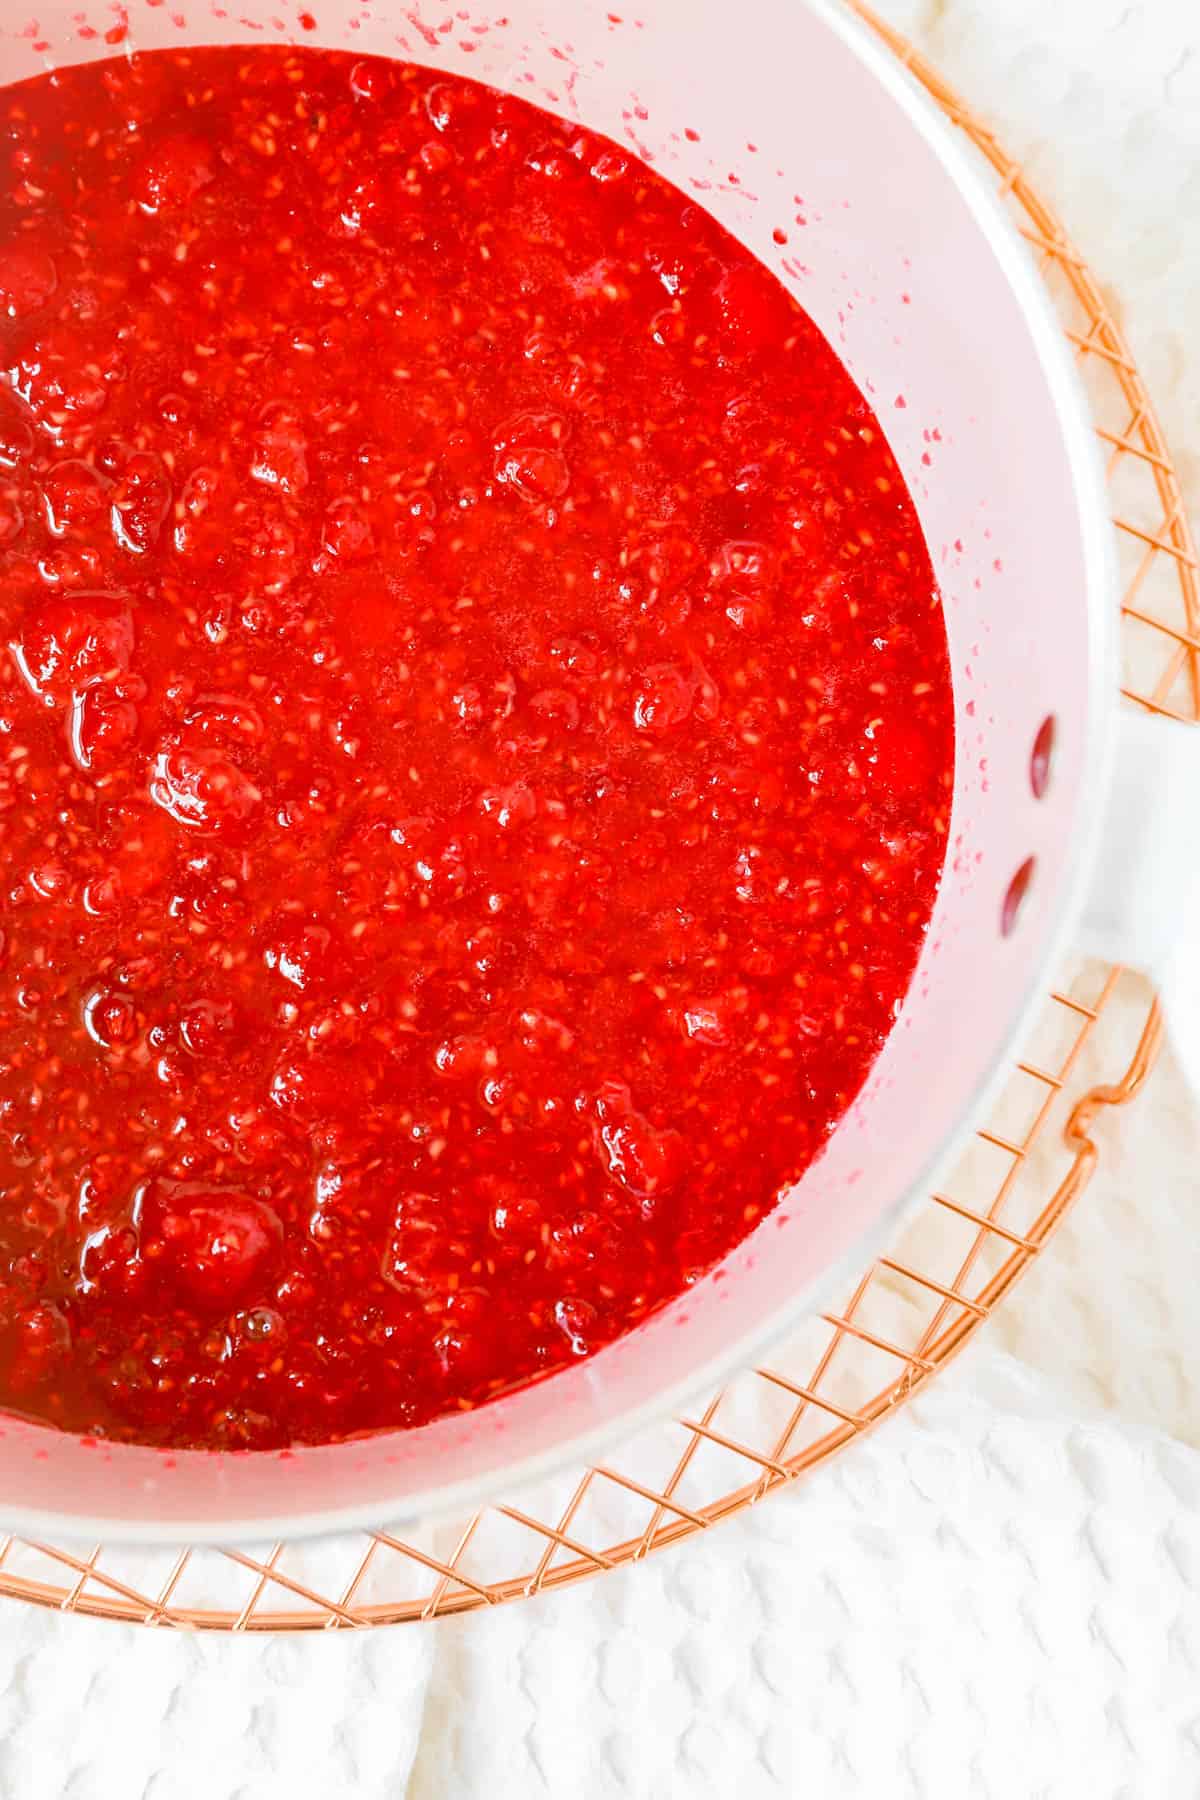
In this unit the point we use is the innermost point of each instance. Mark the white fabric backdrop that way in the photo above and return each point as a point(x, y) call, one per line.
point(996, 1595)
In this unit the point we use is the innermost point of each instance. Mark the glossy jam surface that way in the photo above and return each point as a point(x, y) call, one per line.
point(475, 745)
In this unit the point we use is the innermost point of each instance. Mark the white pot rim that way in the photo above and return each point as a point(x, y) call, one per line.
point(1094, 522)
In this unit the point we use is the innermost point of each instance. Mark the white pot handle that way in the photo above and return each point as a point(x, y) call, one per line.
point(1144, 905)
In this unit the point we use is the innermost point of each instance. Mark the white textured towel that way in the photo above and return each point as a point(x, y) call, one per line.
point(999, 1592)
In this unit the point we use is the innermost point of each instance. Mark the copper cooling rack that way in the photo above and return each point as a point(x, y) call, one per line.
point(909, 1313)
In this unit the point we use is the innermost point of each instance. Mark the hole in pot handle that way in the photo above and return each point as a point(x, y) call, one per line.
point(1143, 907)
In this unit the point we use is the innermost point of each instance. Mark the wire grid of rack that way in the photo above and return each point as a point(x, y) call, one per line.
point(908, 1313)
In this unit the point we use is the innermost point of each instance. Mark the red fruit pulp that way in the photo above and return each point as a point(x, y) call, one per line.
point(475, 745)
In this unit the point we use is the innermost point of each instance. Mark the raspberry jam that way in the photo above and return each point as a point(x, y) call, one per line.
point(475, 745)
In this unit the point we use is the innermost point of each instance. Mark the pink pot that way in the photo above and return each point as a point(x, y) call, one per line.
point(898, 251)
